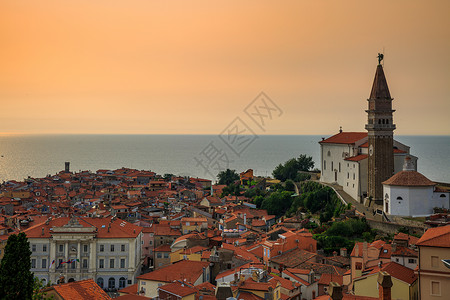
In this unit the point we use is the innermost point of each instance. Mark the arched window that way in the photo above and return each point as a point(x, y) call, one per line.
point(339, 167)
point(122, 281)
point(387, 121)
point(379, 121)
point(100, 282)
point(324, 164)
point(384, 121)
point(442, 196)
point(328, 153)
point(386, 196)
point(111, 283)
point(399, 198)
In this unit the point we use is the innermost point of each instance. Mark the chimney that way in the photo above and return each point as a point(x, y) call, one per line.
point(365, 253)
point(335, 291)
point(334, 253)
point(245, 219)
point(384, 285)
point(67, 169)
point(343, 252)
point(356, 249)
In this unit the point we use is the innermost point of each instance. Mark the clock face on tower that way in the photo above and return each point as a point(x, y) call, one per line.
point(370, 150)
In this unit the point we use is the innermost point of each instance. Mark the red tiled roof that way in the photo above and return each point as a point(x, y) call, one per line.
point(84, 289)
point(118, 229)
point(409, 178)
point(179, 289)
point(345, 138)
point(327, 278)
point(412, 240)
point(436, 237)
point(357, 157)
point(184, 269)
point(131, 289)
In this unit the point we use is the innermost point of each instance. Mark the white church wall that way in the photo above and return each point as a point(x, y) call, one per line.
point(441, 200)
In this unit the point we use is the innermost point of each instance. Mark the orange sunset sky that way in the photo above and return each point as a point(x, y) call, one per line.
point(191, 67)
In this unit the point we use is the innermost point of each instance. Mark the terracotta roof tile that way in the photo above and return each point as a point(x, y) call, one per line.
point(409, 178)
point(84, 289)
point(345, 138)
point(185, 269)
point(436, 237)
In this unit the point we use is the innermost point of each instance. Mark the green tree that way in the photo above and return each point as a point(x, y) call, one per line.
point(232, 189)
point(227, 177)
point(290, 169)
point(16, 280)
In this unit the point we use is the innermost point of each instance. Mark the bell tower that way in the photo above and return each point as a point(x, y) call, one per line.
point(380, 128)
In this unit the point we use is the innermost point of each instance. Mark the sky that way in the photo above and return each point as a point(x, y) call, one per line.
point(192, 67)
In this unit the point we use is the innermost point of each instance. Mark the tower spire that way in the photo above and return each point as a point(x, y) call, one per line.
point(380, 88)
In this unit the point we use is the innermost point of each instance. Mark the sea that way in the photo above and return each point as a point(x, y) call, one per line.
point(203, 156)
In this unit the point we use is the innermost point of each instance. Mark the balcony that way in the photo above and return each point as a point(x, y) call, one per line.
point(380, 126)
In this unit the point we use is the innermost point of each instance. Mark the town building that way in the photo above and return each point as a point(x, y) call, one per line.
point(434, 275)
point(107, 250)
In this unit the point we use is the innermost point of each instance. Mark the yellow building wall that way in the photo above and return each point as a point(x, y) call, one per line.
point(189, 297)
point(151, 287)
point(369, 287)
point(177, 256)
point(433, 270)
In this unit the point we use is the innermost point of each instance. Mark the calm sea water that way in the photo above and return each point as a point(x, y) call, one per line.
point(39, 155)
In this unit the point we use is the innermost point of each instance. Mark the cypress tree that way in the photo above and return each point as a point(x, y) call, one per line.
point(16, 279)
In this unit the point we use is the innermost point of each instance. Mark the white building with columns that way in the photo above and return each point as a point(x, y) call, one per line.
point(107, 250)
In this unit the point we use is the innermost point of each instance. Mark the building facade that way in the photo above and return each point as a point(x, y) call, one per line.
point(107, 250)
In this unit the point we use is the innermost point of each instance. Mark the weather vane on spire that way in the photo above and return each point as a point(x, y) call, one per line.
point(380, 58)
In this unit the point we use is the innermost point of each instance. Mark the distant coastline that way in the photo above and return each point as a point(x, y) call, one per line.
point(38, 155)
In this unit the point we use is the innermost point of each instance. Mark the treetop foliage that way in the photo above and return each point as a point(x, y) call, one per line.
point(228, 176)
point(290, 169)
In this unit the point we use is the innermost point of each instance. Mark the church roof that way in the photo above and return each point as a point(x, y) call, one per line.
point(380, 88)
point(409, 178)
point(345, 138)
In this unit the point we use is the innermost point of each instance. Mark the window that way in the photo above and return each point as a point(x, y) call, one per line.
point(166, 255)
point(111, 283)
point(353, 176)
point(411, 261)
point(158, 255)
point(188, 224)
point(112, 248)
point(72, 264)
point(332, 168)
point(85, 263)
point(33, 248)
point(100, 282)
point(122, 263)
point(122, 282)
point(33, 263)
point(44, 248)
point(150, 243)
point(122, 248)
point(348, 175)
point(328, 153)
point(339, 167)
point(101, 263)
point(111, 263)
point(435, 288)
point(61, 248)
point(434, 261)
point(399, 198)
point(85, 248)
point(324, 164)
point(102, 248)
point(44, 263)
point(442, 196)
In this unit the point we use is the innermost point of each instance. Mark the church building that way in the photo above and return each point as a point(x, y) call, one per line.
point(361, 161)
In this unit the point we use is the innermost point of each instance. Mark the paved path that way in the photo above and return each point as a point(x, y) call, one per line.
point(361, 208)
